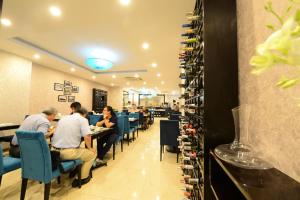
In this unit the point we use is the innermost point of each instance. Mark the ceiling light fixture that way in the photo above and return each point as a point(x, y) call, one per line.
point(125, 2)
point(162, 82)
point(145, 82)
point(37, 56)
point(145, 45)
point(98, 63)
point(114, 76)
point(136, 76)
point(55, 11)
point(93, 77)
point(112, 84)
point(158, 75)
point(127, 83)
point(73, 70)
point(5, 22)
point(154, 65)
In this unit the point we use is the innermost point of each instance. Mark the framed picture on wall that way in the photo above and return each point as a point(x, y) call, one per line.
point(68, 83)
point(71, 98)
point(58, 87)
point(62, 98)
point(67, 90)
point(75, 89)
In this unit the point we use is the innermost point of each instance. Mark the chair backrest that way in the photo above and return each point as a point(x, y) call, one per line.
point(174, 116)
point(126, 124)
point(93, 119)
point(169, 131)
point(1, 161)
point(120, 123)
point(35, 156)
point(137, 116)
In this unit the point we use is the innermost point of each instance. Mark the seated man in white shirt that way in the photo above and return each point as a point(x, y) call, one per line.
point(39, 123)
point(67, 138)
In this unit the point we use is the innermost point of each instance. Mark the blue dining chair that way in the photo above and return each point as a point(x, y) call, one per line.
point(127, 129)
point(169, 132)
point(8, 164)
point(120, 124)
point(36, 161)
point(135, 124)
point(93, 119)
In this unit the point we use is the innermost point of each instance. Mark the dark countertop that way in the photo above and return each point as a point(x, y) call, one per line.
point(269, 184)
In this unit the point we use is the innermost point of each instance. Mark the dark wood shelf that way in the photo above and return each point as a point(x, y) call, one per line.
point(231, 182)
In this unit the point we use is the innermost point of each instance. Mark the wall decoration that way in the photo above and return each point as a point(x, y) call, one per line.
point(67, 83)
point(75, 89)
point(67, 90)
point(58, 87)
point(71, 98)
point(62, 98)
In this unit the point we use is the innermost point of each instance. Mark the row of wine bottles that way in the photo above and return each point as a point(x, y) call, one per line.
point(191, 139)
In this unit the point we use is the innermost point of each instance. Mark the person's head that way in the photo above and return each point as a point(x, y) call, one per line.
point(174, 101)
point(50, 113)
point(108, 111)
point(129, 102)
point(75, 106)
point(82, 111)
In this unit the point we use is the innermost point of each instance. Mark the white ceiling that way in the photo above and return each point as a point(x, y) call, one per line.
point(86, 25)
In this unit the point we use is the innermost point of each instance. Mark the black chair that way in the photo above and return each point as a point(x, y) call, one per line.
point(174, 117)
point(169, 132)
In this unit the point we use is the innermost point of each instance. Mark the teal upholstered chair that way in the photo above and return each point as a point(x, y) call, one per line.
point(36, 161)
point(127, 129)
point(93, 119)
point(8, 164)
point(135, 124)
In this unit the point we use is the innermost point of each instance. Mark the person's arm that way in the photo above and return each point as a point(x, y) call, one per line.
point(108, 124)
point(88, 143)
point(86, 134)
point(101, 121)
point(46, 129)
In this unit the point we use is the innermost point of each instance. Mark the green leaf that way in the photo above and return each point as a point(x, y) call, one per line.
point(287, 82)
point(270, 26)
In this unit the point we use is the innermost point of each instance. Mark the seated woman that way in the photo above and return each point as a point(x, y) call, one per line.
point(108, 120)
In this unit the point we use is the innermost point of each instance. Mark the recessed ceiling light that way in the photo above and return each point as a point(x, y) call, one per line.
point(145, 45)
point(73, 70)
point(136, 76)
point(5, 22)
point(125, 2)
point(55, 11)
point(37, 56)
point(112, 84)
point(114, 76)
point(154, 65)
point(93, 77)
point(145, 82)
point(127, 83)
point(158, 75)
point(162, 82)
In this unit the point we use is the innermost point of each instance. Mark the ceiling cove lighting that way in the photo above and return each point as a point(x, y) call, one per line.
point(125, 2)
point(55, 11)
point(98, 63)
point(5, 22)
point(145, 45)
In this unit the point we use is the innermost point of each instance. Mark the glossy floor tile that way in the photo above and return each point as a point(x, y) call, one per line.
point(135, 174)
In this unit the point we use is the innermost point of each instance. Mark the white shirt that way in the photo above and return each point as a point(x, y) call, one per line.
point(37, 122)
point(69, 131)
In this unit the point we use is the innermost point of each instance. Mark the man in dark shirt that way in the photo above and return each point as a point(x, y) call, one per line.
point(108, 120)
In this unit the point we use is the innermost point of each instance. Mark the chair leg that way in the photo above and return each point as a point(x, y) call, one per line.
point(128, 138)
point(137, 132)
point(47, 191)
point(122, 145)
point(79, 175)
point(114, 150)
point(23, 188)
point(161, 147)
point(0, 179)
point(58, 180)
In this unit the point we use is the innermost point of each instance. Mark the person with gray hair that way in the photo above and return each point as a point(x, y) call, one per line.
point(37, 122)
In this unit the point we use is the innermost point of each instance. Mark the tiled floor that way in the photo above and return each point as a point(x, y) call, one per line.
point(136, 173)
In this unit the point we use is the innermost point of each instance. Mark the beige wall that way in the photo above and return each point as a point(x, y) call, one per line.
point(43, 94)
point(115, 98)
point(274, 123)
point(15, 77)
